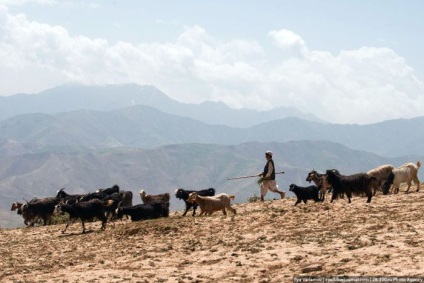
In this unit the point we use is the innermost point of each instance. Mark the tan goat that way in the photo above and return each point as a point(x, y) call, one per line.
point(209, 205)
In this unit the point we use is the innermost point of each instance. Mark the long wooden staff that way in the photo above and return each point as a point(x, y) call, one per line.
point(250, 176)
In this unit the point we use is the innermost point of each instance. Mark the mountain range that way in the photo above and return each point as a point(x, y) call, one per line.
point(146, 127)
point(72, 97)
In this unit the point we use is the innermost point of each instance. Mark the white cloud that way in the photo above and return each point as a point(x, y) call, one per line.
point(356, 86)
point(286, 39)
point(22, 2)
point(93, 5)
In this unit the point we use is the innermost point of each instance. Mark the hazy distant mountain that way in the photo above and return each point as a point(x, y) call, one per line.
point(163, 169)
point(110, 97)
point(145, 127)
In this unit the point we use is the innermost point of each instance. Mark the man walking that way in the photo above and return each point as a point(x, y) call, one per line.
point(268, 182)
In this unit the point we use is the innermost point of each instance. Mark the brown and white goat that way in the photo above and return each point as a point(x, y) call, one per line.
point(318, 180)
point(150, 199)
point(16, 206)
point(19, 207)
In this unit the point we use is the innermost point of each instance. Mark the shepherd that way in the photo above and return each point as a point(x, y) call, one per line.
point(267, 178)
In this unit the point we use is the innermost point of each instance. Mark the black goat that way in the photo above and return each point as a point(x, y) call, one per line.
point(109, 191)
point(305, 193)
point(85, 211)
point(183, 194)
point(127, 198)
point(357, 183)
point(39, 208)
point(95, 195)
point(110, 210)
point(144, 211)
point(62, 196)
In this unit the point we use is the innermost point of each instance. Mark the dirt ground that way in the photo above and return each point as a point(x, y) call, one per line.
point(266, 242)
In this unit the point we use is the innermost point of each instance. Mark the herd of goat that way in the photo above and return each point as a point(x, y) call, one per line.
point(113, 203)
point(385, 178)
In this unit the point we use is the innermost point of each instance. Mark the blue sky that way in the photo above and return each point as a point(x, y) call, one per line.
point(343, 61)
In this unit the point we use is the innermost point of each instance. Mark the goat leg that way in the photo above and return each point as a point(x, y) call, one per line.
point(349, 196)
point(83, 226)
point(186, 210)
point(66, 227)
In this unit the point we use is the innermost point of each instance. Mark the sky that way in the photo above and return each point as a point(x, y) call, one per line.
point(355, 62)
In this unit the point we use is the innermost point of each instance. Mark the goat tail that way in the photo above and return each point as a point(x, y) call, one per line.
point(232, 197)
point(418, 164)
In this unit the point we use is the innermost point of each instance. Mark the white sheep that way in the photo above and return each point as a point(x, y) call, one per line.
point(209, 205)
point(381, 173)
point(406, 173)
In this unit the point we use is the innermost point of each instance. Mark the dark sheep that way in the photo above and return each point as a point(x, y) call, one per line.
point(144, 211)
point(127, 198)
point(85, 211)
point(62, 196)
point(360, 183)
point(95, 195)
point(184, 194)
point(305, 193)
point(109, 191)
point(110, 210)
point(39, 208)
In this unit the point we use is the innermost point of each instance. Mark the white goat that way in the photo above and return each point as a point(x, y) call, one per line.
point(381, 173)
point(209, 205)
point(406, 173)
